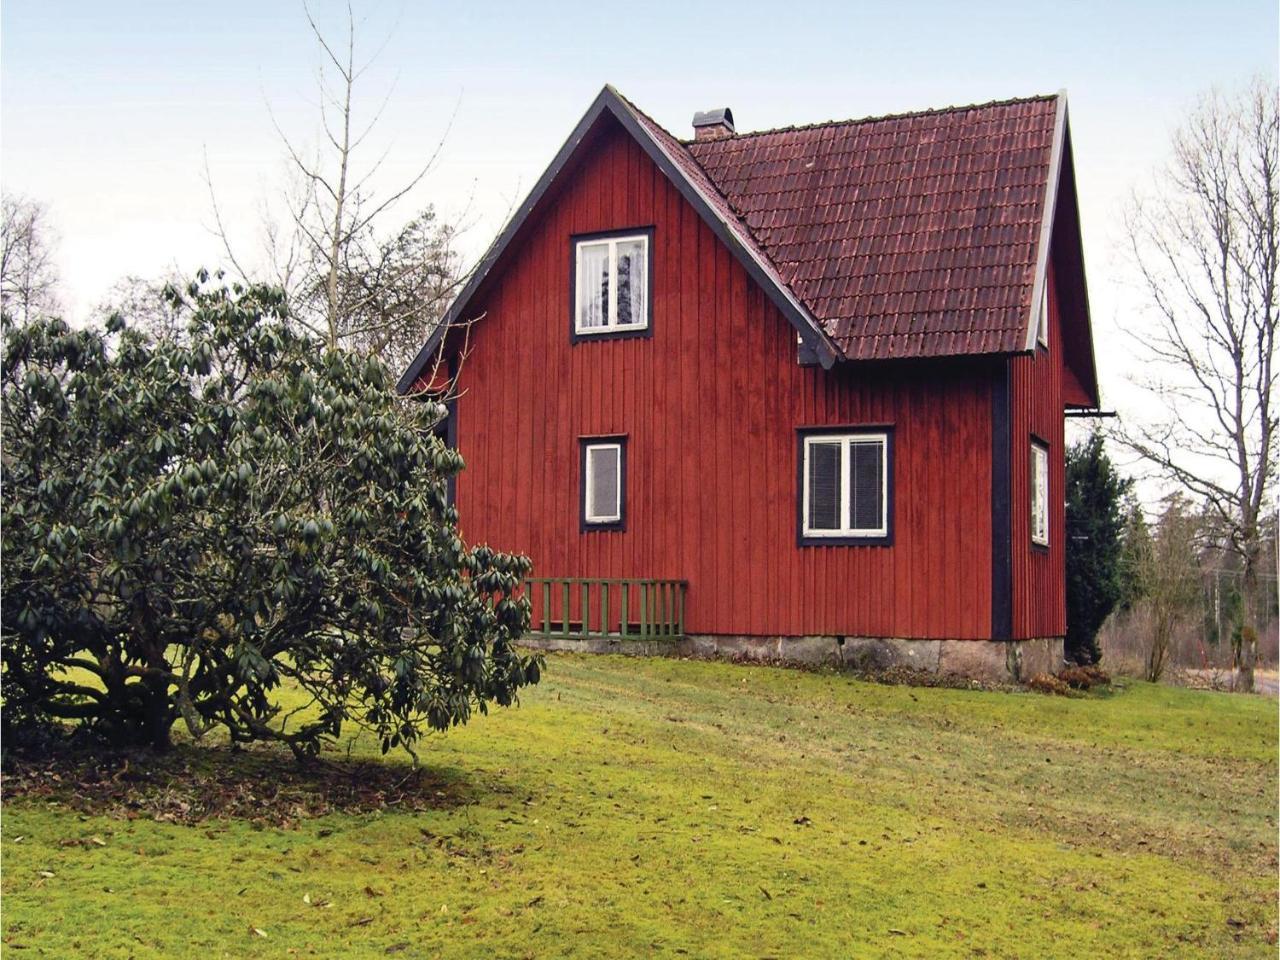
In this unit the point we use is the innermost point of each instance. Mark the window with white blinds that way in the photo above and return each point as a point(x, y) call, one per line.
point(603, 482)
point(1039, 493)
point(845, 486)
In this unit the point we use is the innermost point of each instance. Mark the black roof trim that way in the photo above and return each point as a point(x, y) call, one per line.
point(610, 100)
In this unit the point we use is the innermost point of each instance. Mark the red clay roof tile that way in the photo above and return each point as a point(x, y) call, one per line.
point(905, 236)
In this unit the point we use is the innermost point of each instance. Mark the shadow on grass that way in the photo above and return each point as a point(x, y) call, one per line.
point(263, 784)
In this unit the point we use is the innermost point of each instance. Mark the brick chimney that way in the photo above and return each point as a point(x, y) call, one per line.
point(713, 124)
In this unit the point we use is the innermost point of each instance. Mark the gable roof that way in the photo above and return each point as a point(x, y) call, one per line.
point(674, 161)
point(908, 236)
point(918, 235)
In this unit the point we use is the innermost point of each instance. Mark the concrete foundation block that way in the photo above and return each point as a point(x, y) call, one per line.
point(1042, 655)
point(884, 653)
point(977, 659)
point(1012, 661)
point(810, 649)
point(633, 648)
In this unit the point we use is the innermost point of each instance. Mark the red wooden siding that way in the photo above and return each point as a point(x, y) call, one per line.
point(710, 405)
point(1039, 585)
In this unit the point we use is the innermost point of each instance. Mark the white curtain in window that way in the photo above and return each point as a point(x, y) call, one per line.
point(632, 279)
point(1039, 494)
point(593, 284)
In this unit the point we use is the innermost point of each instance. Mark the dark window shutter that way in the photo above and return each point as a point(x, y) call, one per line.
point(824, 486)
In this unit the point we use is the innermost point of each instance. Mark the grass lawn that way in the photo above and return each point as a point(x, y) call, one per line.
point(637, 808)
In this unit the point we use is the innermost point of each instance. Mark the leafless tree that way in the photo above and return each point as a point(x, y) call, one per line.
point(393, 293)
point(151, 304)
point(28, 274)
point(1206, 247)
point(1169, 579)
point(349, 279)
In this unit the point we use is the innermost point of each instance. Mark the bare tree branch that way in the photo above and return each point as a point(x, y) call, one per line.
point(1206, 250)
point(28, 275)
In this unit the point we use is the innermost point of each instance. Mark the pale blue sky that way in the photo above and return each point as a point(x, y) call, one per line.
point(108, 109)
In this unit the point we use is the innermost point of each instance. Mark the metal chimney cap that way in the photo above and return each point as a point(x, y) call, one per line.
point(722, 117)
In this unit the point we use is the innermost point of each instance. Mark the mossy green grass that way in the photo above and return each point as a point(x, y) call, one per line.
point(649, 808)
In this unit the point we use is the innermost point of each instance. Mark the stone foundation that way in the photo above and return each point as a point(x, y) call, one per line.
point(1000, 661)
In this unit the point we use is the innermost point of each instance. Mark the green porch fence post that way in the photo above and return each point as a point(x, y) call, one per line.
point(546, 608)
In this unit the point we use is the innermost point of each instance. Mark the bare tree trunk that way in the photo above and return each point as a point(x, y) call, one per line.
point(1159, 651)
point(340, 194)
point(1246, 651)
point(348, 281)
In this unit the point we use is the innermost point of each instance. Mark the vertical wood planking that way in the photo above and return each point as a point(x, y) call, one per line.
point(710, 404)
point(1039, 596)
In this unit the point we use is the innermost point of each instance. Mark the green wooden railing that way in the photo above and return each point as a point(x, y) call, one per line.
point(592, 608)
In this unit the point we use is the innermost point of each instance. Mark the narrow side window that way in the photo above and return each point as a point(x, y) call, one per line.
point(1039, 494)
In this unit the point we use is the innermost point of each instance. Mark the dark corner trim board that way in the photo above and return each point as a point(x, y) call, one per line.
point(451, 441)
point(1001, 516)
point(574, 240)
point(619, 525)
point(451, 431)
point(845, 430)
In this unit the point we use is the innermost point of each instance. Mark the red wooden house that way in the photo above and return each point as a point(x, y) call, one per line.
point(793, 393)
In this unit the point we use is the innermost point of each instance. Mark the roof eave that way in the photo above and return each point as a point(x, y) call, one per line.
point(502, 241)
point(1048, 209)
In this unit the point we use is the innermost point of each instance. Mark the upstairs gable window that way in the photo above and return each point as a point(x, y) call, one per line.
point(611, 284)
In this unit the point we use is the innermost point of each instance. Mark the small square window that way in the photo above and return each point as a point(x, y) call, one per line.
point(611, 285)
point(603, 483)
point(1039, 494)
point(844, 495)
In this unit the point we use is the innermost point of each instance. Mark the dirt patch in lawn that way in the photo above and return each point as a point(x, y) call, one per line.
point(894, 676)
point(264, 785)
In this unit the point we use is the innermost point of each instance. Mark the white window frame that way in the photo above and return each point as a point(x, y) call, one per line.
point(846, 530)
point(588, 480)
point(1042, 319)
point(1040, 491)
point(611, 309)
